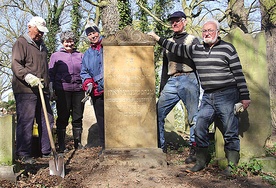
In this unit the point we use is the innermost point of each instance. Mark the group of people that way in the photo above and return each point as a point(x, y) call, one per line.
point(220, 74)
point(67, 79)
point(188, 66)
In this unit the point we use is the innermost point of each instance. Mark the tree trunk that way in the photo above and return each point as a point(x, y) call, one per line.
point(110, 18)
point(268, 11)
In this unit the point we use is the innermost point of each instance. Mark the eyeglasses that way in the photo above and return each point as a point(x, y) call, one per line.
point(176, 21)
point(209, 31)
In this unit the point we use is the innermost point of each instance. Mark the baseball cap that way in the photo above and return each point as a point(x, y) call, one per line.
point(177, 14)
point(40, 23)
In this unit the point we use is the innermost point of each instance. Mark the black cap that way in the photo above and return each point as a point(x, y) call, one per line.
point(92, 29)
point(177, 14)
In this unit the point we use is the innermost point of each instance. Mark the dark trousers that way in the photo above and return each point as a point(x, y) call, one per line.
point(28, 109)
point(98, 104)
point(69, 103)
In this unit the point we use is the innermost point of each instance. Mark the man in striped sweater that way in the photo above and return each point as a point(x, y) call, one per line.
point(224, 85)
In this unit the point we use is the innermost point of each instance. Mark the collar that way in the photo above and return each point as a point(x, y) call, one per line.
point(97, 46)
point(179, 35)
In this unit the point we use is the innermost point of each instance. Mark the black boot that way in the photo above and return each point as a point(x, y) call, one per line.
point(61, 140)
point(77, 138)
point(233, 158)
point(202, 159)
point(192, 157)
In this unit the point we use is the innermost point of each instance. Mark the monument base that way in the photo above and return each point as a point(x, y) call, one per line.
point(141, 157)
point(7, 173)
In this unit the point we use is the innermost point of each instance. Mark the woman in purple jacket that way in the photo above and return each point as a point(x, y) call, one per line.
point(66, 87)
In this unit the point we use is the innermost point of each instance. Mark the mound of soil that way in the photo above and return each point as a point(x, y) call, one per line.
point(83, 169)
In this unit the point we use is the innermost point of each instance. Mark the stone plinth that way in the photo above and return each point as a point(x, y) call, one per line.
point(255, 122)
point(130, 102)
point(151, 158)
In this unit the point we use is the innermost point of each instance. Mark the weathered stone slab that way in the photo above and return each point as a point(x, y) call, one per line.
point(130, 102)
point(255, 122)
point(7, 137)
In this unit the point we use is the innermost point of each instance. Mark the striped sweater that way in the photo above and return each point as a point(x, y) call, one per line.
point(218, 67)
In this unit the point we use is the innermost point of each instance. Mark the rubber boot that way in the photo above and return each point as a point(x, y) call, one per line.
point(61, 140)
point(192, 155)
point(233, 158)
point(202, 159)
point(77, 138)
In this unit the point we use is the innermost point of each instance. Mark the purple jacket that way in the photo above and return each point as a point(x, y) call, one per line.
point(64, 70)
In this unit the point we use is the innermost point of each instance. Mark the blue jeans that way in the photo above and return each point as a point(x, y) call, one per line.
point(220, 105)
point(28, 109)
point(185, 88)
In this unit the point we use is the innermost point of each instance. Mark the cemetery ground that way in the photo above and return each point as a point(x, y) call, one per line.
point(83, 169)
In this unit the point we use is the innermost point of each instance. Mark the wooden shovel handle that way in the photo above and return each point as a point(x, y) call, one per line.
point(47, 119)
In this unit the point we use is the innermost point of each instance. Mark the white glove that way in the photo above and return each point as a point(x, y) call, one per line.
point(238, 108)
point(32, 80)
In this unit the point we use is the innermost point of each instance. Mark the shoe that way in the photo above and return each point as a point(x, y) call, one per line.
point(192, 156)
point(49, 155)
point(26, 160)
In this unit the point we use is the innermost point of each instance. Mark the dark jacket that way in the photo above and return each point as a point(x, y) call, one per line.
point(28, 57)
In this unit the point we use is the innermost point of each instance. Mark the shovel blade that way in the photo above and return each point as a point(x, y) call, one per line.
point(57, 167)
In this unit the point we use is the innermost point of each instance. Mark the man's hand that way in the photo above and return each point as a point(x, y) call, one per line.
point(89, 88)
point(245, 103)
point(32, 80)
point(153, 35)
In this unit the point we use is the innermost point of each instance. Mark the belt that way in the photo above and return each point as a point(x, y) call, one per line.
point(180, 73)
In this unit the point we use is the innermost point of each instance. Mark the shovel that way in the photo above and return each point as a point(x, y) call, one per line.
point(56, 166)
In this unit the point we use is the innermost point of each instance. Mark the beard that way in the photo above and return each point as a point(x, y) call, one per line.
point(211, 40)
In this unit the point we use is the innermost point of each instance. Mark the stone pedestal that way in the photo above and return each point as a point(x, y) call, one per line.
point(255, 122)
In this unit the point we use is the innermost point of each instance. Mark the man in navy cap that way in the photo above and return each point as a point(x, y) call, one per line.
point(178, 82)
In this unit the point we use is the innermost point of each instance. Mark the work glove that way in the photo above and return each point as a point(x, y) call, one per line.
point(52, 92)
point(89, 89)
point(32, 80)
point(238, 108)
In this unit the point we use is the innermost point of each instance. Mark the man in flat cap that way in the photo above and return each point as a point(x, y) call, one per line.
point(30, 66)
point(178, 82)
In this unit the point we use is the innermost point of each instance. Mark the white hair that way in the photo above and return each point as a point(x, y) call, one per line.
point(212, 20)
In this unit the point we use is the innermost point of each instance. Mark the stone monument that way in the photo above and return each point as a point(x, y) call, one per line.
point(129, 98)
point(255, 123)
